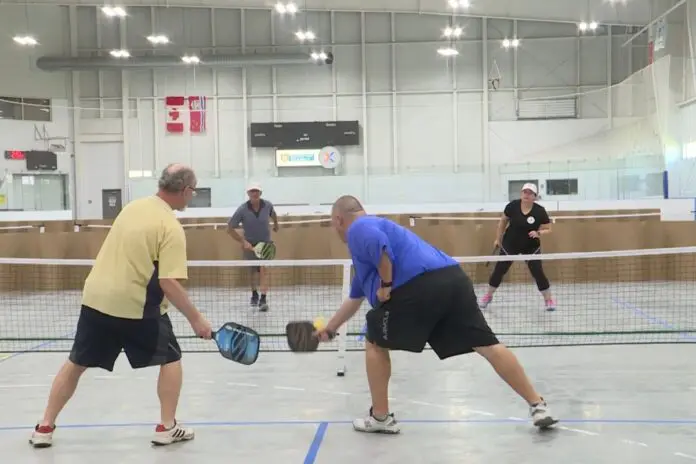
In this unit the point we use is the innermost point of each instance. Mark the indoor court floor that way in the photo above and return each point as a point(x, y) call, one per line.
point(618, 404)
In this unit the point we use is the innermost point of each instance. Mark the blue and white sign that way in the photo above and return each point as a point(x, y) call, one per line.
point(297, 158)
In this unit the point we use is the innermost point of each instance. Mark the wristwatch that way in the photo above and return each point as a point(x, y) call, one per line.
point(386, 284)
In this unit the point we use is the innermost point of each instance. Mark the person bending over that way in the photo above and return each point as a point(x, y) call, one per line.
point(253, 216)
point(523, 223)
point(418, 295)
point(124, 305)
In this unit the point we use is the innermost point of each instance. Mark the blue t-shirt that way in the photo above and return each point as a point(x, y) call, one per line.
point(410, 255)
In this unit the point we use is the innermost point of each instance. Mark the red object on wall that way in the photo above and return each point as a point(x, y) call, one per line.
point(651, 52)
point(197, 114)
point(175, 114)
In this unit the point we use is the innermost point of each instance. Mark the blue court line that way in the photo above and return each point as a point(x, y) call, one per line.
point(36, 347)
point(653, 320)
point(285, 423)
point(316, 443)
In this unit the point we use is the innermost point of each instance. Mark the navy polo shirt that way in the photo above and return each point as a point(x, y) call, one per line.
point(410, 255)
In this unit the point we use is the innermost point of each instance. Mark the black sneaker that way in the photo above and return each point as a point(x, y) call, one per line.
point(263, 305)
point(254, 299)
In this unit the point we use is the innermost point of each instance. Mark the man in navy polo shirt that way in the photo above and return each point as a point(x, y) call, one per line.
point(418, 295)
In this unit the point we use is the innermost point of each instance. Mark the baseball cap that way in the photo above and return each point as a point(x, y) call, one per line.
point(530, 186)
point(254, 187)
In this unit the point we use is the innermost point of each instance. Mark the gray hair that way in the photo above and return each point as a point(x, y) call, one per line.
point(347, 204)
point(175, 178)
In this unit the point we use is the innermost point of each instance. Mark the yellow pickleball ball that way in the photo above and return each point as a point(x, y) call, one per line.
point(319, 323)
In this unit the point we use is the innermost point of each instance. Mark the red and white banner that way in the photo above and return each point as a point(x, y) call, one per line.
point(197, 114)
point(175, 114)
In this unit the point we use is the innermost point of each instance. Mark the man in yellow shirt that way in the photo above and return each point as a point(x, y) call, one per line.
point(125, 300)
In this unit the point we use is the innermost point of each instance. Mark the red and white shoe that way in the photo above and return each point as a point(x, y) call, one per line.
point(42, 437)
point(164, 436)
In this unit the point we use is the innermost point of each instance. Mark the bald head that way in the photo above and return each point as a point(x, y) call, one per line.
point(176, 177)
point(347, 205)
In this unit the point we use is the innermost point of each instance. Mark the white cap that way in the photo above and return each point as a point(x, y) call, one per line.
point(253, 187)
point(530, 186)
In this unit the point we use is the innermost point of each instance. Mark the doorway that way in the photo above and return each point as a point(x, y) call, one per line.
point(112, 203)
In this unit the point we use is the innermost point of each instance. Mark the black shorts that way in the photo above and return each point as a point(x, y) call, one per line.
point(100, 338)
point(439, 308)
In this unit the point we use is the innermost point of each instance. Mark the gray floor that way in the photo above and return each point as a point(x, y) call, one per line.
point(619, 404)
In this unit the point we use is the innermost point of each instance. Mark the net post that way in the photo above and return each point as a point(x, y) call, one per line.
point(341, 337)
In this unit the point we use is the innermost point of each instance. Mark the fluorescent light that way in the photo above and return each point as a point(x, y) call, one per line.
point(594, 25)
point(316, 56)
point(120, 53)
point(25, 40)
point(158, 39)
point(283, 8)
point(515, 43)
point(453, 31)
point(582, 26)
point(459, 3)
point(190, 59)
point(447, 51)
point(305, 35)
point(506, 43)
point(114, 11)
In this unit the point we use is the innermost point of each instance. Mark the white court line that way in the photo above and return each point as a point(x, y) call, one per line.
point(26, 386)
point(280, 387)
point(687, 456)
point(330, 392)
point(584, 432)
point(631, 442)
point(239, 384)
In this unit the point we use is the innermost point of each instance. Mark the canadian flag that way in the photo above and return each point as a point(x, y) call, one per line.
point(175, 114)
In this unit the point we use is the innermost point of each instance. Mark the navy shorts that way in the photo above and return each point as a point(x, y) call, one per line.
point(100, 338)
point(439, 308)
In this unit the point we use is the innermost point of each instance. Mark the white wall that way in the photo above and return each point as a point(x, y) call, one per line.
point(431, 128)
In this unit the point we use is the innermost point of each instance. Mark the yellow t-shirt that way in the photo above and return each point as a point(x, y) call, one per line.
point(146, 243)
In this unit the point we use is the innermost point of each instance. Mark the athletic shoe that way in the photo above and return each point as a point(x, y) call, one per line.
point(263, 304)
point(485, 301)
point(176, 434)
point(550, 305)
point(372, 425)
point(541, 415)
point(42, 437)
point(254, 299)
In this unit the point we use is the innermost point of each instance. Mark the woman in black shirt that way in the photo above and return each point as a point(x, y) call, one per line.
point(523, 222)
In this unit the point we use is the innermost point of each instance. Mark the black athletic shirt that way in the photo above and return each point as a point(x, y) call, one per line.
point(517, 234)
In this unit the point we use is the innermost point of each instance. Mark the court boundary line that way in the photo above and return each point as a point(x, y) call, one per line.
point(317, 422)
point(637, 311)
point(313, 451)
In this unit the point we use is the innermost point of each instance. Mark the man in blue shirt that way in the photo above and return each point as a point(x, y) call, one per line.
point(418, 295)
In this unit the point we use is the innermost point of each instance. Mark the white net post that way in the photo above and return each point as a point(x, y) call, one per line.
point(341, 337)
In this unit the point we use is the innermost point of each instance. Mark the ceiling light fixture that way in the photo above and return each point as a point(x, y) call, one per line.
point(507, 43)
point(447, 51)
point(120, 53)
point(114, 11)
point(190, 59)
point(283, 8)
point(158, 39)
point(25, 40)
point(459, 3)
point(453, 32)
point(305, 35)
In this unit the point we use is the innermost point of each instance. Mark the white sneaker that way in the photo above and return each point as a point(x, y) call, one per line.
point(176, 434)
point(42, 437)
point(541, 415)
point(371, 425)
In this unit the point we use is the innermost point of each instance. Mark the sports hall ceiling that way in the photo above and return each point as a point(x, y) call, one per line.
point(629, 12)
